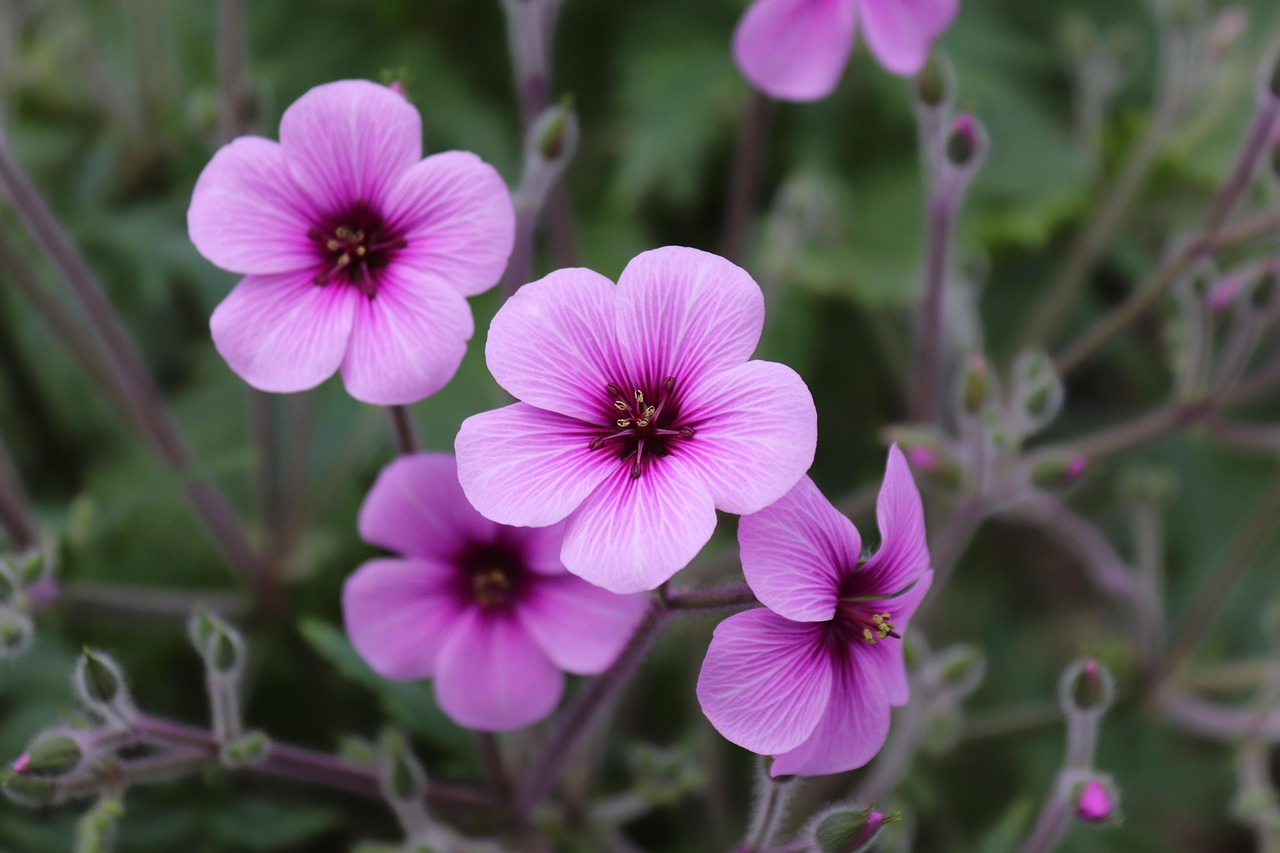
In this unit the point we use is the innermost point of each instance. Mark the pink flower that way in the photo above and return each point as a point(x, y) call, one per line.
point(796, 50)
point(357, 253)
point(1093, 804)
point(486, 610)
point(640, 415)
point(810, 680)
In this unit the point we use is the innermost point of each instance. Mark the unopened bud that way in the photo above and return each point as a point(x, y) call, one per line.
point(1037, 391)
point(932, 84)
point(1225, 29)
point(848, 831)
point(962, 142)
point(556, 133)
point(1094, 803)
point(248, 749)
point(97, 678)
point(50, 755)
point(218, 643)
point(922, 458)
point(1225, 290)
point(16, 633)
point(1059, 469)
point(1088, 687)
point(975, 383)
point(26, 789)
point(401, 774)
point(31, 566)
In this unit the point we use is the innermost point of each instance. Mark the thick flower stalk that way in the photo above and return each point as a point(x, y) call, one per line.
point(640, 414)
point(796, 50)
point(810, 679)
point(486, 610)
point(358, 254)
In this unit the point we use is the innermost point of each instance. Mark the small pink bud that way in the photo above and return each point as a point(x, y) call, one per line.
point(1226, 28)
point(1076, 466)
point(22, 764)
point(1094, 804)
point(397, 86)
point(922, 458)
point(1222, 294)
point(962, 144)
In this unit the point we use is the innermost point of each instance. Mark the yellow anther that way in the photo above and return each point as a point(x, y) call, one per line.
point(359, 236)
point(643, 423)
point(648, 413)
point(360, 251)
point(868, 636)
point(344, 259)
point(342, 233)
point(623, 423)
point(639, 396)
point(877, 619)
point(886, 615)
point(619, 405)
point(333, 245)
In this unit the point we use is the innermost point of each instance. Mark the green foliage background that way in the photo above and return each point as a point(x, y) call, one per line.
point(111, 108)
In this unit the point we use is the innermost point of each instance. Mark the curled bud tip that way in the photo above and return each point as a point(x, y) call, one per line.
point(1094, 805)
point(1076, 466)
point(848, 831)
point(962, 143)
point(22, 764)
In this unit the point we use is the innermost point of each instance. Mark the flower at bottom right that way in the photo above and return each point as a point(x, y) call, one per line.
point(810, 678)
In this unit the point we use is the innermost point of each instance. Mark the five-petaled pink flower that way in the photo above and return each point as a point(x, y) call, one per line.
point(640, 415)
point(358, 254)
point(488, 611)
point(810, 679)
point(796, 50)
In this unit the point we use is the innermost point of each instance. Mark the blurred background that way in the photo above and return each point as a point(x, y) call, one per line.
point(112, 109)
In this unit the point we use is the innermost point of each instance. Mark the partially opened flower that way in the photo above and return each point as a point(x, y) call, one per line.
point(811, 679)
point(488, 611)
point(358, 254)
point(796, 50)
point(640, 415)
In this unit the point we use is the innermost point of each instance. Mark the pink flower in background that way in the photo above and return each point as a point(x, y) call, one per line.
point(357, 253)
point(1094, 803)
point(796, 50)
point(488, 611)
point(640, 415)
point(810, 679)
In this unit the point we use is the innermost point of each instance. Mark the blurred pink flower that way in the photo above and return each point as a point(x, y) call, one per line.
point(1094, 805)
point(810, 680)
point(357, 253)
point(640, 414)
point(796, 50)
point(488, 611)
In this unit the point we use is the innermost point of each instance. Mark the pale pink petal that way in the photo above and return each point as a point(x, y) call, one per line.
point(855, 724)
point(632, 535)
point(581, 627)
point(349, 141)
point(890, 666)
point(795, 50)
point(904, 552)
point(284, 332)
point(247, 215)
point(685, 313)
point(793, 553)
point(400, 613)
point(492, 676)
point(455, 214)
point(756, 429)
point(766, 681)
point(900, 33)
point(407, 341)
point(528, 467)
point(417, 508)
point(554, 345)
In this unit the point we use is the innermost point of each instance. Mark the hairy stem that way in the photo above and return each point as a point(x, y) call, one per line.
point(748, 163)
point(402, 430)
point(928, 380)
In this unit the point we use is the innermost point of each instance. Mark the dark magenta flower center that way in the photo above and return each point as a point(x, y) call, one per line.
point(353, 245)
point(861, 614)
point(492, 574)
point(644, 426)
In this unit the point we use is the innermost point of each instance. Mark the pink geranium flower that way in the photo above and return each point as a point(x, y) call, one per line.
point(640, 415)
point(488, 611)
point(810, 680)
point(796, 50)
point(357, 253)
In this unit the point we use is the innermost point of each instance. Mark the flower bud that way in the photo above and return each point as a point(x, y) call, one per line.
point(96, 828)
point(50, 755)
point(556, 132)
point(1037, 392)
point(401, 775)
point(963, 141)
point(31, 566)
point(848, 830)
point(16, 633)
point(1087, 687)
point(26, 789)
point(1094, 803)
point(933, 83)
point(249, 748)
point(1059, 469)
point(218, 643)
point(97, 678)
point(975, 383)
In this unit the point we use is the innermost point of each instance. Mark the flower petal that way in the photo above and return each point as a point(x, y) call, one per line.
point(904, 551)
point(539, 546)
point(795, 50)
point(349, 141)
point(283, 332)
point(247, 214)
point(554, 345)
point(756, 433)
point(455, 214)
point(889, 663)
point(685, 313)
point(793, 551)
point(407, 341)
point(525, 466)
point(766, 681)
point(855, 724)
point(900, 33)
point(633, 534)
point(400, 613)
point(581, 627)
point(416, 507)
point(492, 676)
